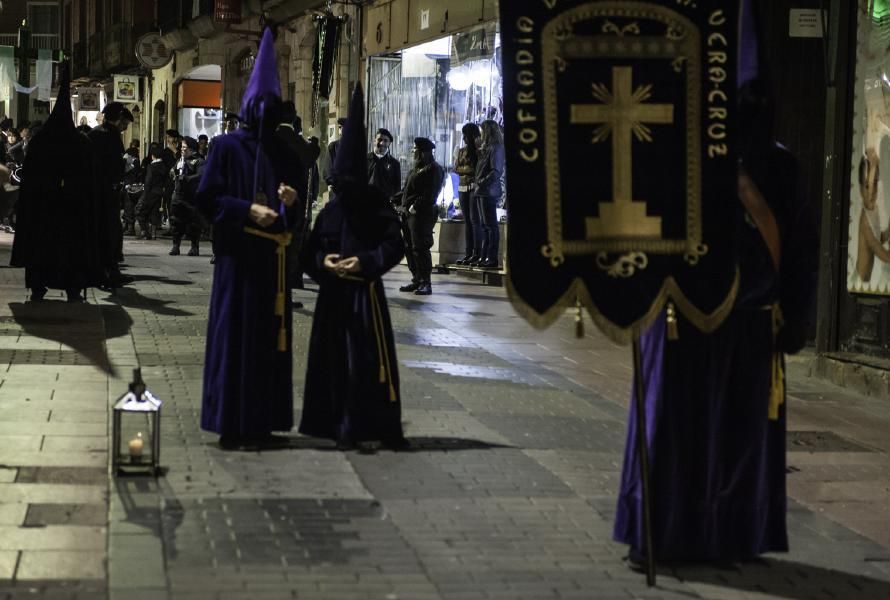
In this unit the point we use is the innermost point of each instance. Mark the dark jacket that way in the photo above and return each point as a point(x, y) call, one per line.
point(385, 174)
point(465, 167)
point(306, 152)
point(490, 171)
point(422, 188)
point(155, 181)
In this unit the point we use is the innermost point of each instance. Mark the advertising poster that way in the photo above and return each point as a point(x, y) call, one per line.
point(868, 258)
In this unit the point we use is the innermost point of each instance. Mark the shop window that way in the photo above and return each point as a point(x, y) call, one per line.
point(43, 17)
point(432, 90)
point(868, 259)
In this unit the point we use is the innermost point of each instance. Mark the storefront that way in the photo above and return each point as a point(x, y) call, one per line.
point(856, 221)
point(199, 99)
point(441, 74)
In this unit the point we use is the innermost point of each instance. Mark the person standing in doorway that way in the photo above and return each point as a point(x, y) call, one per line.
point(418, 206)
point(465, 167)
point(489, 192)
point(384, 171)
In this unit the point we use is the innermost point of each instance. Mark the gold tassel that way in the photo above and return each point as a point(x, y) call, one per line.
point(392, 393)
point(673, 332)
point(279, 304)
point(777, 376)
point(282, 340)
point(777, 387)
point(579, 319)
point(382, 373)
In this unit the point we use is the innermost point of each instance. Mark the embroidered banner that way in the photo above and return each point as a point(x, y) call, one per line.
point(621, 173)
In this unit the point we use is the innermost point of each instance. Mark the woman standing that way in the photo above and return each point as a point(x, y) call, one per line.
point(465, 166)
point(489, 190)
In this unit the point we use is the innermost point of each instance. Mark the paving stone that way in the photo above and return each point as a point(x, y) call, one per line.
point(59, 564)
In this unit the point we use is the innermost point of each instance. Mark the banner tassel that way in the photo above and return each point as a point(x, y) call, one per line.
point(673, 332)
point(579, 319)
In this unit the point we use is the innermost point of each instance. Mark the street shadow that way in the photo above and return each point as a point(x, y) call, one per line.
point(161, 279)
point(82, 327)
point(280, 443)
point(130, 298)
point(781, 579)
point(150, 504)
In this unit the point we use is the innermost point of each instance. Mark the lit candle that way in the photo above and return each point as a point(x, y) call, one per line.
point(135, 446)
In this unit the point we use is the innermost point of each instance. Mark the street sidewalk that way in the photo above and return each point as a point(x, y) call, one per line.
point(508, 491)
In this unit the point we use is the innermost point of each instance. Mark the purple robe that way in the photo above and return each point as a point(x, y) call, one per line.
point(248, 388)
point(717, 463)
point(352, 378)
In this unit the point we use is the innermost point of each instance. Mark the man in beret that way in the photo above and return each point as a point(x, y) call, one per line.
point(185, 219)
point(384, 171)
point(418, 205)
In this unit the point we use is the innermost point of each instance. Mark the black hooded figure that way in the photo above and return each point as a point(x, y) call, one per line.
point(58, 214)
point(715, 403)
point(352, 379)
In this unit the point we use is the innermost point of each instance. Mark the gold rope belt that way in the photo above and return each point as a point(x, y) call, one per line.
point(385, 370)
point(777, 384)
point(382, 349)
point(283, 240)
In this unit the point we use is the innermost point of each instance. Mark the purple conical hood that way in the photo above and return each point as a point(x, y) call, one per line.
point(351, 162)
point(749, 43)
point(264, 89)
point(61, 118)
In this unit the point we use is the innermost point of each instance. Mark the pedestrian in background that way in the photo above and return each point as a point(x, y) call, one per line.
point(108, 154)
point(465, 167)
point(418, 206)
point(185, 218)
point(147, 208)
point(384, 171)
point(489, 192)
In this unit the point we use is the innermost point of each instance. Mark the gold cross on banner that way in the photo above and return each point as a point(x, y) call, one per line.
point(622, 115)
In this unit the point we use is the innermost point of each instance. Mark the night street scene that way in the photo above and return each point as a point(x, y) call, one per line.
point(444, 299)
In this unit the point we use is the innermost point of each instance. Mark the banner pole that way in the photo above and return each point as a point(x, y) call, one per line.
point(643, 459)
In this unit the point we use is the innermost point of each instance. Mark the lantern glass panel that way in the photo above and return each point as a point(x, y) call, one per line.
point(136, 430)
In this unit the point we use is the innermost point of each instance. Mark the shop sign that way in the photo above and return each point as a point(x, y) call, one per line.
point(126, 88)
point(89, 98)
point(473, 45)
point(620, 159)
point(805, 23)
point(152, 52)
point(227, 11)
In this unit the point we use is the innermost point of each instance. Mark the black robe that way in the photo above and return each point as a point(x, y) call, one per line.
point(56, 237)
point(352, 378)
point(108, 153)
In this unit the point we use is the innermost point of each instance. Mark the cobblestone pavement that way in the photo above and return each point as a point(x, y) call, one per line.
point(508, 491)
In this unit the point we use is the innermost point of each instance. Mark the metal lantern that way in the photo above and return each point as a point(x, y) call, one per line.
point(136, 431)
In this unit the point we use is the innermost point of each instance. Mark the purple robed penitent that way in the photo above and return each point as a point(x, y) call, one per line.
point(248, 388)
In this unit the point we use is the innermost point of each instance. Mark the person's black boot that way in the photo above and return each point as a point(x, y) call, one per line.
point(74, 296)
point(37, 293)
point(410, 287)
point(130, 230)
point(424, 289)
point(174, 251)
point(194, 250)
